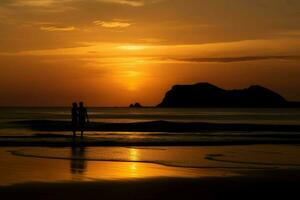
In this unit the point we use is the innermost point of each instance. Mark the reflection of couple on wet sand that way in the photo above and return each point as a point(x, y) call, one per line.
point(79, 118)
point(78, 163)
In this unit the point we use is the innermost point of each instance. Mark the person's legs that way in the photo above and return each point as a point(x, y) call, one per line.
point(82, 129)
point(74, 130)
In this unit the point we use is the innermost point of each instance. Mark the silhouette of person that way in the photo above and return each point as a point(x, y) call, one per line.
point(74, 112)
point(83, 117)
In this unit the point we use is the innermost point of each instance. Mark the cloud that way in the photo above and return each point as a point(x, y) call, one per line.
point(290, 33)
point(112, 24)
point(236, 59)
point(51, 28)
point(43, 3)
point(37, 3)
point(46, 6)
point(241, 51)
point(150, 40)
point(135, 3)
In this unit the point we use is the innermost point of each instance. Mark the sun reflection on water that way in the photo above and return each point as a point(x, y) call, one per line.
point(133, 156)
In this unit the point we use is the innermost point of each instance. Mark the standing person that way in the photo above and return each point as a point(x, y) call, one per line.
point(83, 117)
point(74, 112)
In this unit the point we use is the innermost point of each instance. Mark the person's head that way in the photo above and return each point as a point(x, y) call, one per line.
point(74, 105)
point(81, 104)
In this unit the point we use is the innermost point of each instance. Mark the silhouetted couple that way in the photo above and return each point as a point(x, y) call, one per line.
point(79, 118)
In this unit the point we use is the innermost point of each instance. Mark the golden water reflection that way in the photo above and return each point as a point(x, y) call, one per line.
point(122, 170)
point(134, 156)
point(78, 163)
point(117, 163)
point(135, 169)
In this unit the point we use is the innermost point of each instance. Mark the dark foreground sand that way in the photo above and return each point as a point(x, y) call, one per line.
point(279, 184)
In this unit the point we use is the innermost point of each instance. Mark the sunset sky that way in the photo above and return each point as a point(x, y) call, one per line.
point(116, 52)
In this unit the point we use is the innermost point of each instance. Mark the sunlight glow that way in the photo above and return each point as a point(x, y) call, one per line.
point(133, 47)
point(132, 80)
point(133, 155)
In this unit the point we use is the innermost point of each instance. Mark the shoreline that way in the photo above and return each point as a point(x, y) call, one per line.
point(64, 140)
point(70, 143)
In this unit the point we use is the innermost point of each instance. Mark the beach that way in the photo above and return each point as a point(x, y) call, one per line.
point(246, 171)
point(150, 154)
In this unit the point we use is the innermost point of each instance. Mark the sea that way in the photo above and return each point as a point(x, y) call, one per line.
point(23, 164)
point(279, 116)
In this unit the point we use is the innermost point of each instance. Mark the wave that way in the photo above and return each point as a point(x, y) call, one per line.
point(214, 158)
point(156, 126)
point(155, 133)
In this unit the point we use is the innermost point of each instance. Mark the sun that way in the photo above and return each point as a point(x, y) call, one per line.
point(133, 80)
point(130, 73)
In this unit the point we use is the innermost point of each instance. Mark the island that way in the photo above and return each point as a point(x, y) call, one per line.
point(135, 105)
point(209, 95)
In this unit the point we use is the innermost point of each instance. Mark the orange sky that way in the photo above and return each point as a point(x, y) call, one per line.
point(115, 52)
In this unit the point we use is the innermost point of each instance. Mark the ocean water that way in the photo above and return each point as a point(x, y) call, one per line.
point(289, 116)
point(21, 164)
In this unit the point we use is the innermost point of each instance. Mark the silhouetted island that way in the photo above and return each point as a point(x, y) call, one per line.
point(208, 95)
point(135, 105)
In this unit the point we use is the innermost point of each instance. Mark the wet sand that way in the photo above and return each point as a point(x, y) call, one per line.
point(236, 172)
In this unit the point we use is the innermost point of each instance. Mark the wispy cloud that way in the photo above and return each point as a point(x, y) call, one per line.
point(150, 40)
point(236, 59)
point(40, 3)
point(52, 28)
point(37, 3)
point(134, 3)
point(46, 6)
point(290, 33)
point(112, 24)
point(242, 51)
